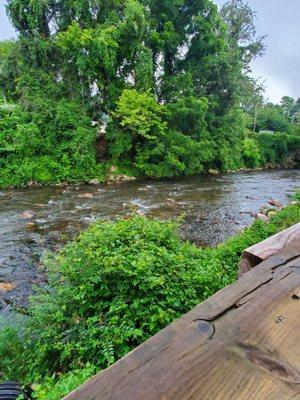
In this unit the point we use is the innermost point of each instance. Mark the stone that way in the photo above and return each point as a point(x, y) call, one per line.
point(94, 182)
point(8, 195)
point(127, 178)
point(27, 215)
point(272, 213)
point(264, 210)
point(7, 287)
point(262, 217)
point(113, 169)
point(33, 184)
point(31, 226)
point(212, 171)
point(86, 195)
point(120, 178)
point(115, 177)
point(275, 203)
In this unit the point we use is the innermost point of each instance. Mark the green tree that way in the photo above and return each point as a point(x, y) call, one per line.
point(9, 68)
point(170, 76)
point(240, 21)
point(291, 108)
point(272, 118)
point(246, 45)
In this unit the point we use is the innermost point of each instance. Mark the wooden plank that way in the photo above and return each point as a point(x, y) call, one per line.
point(273, 244)
point(243, 343)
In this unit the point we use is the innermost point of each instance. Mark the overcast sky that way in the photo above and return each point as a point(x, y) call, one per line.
point(279, 67)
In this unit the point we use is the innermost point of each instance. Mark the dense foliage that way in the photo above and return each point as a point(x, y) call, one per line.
point(268, 149)
point(114, 286)
point(168, 77)
point(50, 142)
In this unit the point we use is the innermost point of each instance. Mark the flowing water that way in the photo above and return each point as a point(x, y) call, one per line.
point(215, 208)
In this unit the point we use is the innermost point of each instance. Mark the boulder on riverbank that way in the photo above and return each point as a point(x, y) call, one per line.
point(212, 171)
point(95, 182)
point(115, 177)
point(262, 217)
point(275, 203)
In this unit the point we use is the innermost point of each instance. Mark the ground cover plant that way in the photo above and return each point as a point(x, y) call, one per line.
point(109, 290)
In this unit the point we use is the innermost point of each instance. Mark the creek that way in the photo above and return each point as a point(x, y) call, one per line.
point(36, 220)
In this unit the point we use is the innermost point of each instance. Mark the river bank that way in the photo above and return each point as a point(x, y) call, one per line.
point(36, 220)
point(117, 175)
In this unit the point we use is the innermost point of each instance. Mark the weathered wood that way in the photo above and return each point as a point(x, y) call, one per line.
point(273, 244)
point(254, 255)
point(243, 343)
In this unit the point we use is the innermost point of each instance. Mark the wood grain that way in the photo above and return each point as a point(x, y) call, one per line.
point(243, 343)
point(273, 244)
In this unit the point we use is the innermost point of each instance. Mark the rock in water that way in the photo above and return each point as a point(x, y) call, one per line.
point(86, 195)
point(7, 287)
point(27, 215)
point(275, 203)
point(31, 226)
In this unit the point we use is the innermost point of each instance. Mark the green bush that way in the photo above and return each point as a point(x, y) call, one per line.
point(141, 131)
point(55, 387)
point(115, 286)
point(251, 153)
point(263, 149)
point(275, 147)
point(13, 363)
point(297, 195)
point(47, 140)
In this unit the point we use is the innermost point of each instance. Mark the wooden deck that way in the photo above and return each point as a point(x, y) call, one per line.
point(243, 343)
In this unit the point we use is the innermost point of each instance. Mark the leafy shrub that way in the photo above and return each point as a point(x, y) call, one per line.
point(297, 195)
point(118, 284)
point(55, 387)
point(274, 147)
point(141, 133)
point(251, 153)
point(228, 137)
point(47, 139)
point(173, 155)
point(50, 139)
point(188, 116)
point(13, 362)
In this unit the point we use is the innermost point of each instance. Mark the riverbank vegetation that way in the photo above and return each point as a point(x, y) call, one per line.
point(157, 88)
point(109, 290)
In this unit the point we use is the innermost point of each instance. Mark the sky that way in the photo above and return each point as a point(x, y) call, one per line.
point(279, 67)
